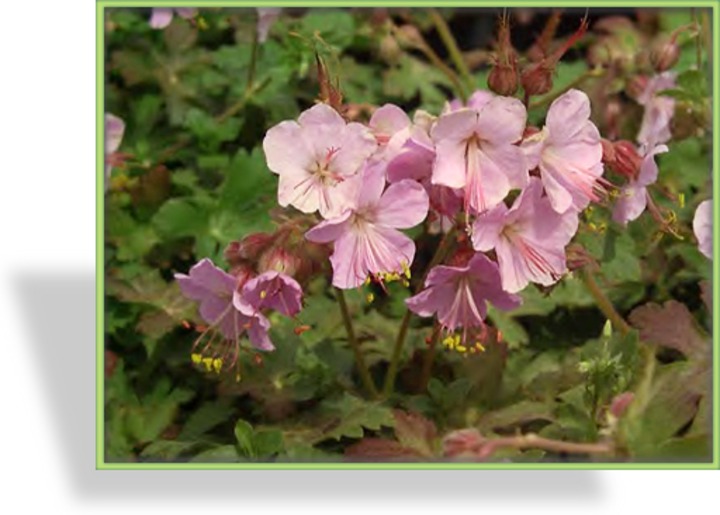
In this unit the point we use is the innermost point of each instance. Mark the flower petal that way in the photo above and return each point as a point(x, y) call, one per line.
point(502, 120)
point(568, 115)
point(403, 205)
point(330, 230)
point(702, 227)
point(161, 17)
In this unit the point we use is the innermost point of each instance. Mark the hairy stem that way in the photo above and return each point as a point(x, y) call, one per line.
point(452, 46)
point(604, 303)
point(359, 357)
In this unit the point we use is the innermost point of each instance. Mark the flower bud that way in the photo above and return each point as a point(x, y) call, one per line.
point(620, 403)
point(503, 80)
point(278, 259)
point(390, 51)
point(537, 79)
point(627, 160)
point(664, 54)
point(249, 248)
point(243, 272)
point(409, 37)
point(608, 151)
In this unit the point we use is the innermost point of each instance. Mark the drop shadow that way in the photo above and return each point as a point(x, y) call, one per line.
point(59, 314)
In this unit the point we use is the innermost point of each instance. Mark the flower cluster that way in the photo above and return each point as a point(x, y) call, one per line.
point(369, 182)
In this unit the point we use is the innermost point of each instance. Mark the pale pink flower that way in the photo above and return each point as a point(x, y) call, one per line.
point(475, 151)
point(162, 16)
point(367, 239)
point(568, 153)
point(391, 127)
point(220, 304)
point(529, 238)
point(114, 131)
point(458, 295)
point(659, 110)
point(266, 18)
point(702, 227)
point(632, 200)
point(476, 101)
point(316, 158)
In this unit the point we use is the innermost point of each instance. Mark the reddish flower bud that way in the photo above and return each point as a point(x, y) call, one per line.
point(608, 151)
point(620, 403)
point(243, 272)
point(664, 53)
point(503, 78)
point(627, 160)
point(249, 248)
point(536, 79)
point(278, 259)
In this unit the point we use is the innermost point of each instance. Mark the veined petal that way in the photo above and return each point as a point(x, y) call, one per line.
point(630, 204)
point(330, 230)
point(702, 227)
point(568, 115)
point(321, 114)
point(403, 205)
point(285, 149)
point(487, 228)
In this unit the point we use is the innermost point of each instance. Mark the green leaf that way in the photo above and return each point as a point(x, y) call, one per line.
point(248, 180)
point(244, 435)
point(350, 415)
point(268, 442)
point(222, 453)
point(335, 27)
point(205, 418)
point(180, 217)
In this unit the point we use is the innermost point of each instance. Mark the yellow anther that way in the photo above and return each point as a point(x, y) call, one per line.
point(196, 358)
point(681, 200)
point(370, 297)
point(208, 363)
point(238, 377)
point(217, 365)
point(457, 340)
point(406, 283)
point(449, 342)
point(367, 281)
point(461, 348)
point(479, 346)
point(263, 294)
point(405, 269)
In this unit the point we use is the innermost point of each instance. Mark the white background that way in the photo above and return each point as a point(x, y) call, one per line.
point(47, 421)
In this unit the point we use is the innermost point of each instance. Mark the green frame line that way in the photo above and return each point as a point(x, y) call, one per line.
point(101, 5)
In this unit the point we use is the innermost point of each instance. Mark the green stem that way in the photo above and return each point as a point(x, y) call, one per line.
point(440, 65)
point(429, 358)
point(440, 253)
point(253, 61)
point(604, 303)
point(359, 358)
point(452, 46)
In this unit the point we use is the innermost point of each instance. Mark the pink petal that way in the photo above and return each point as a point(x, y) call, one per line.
point(114, 130)
point(388, 119)
point(487, 184)
point(568, 115)
point(487, 228)
point(702, 227)
point(186, 12)
point(630, 204)
point(502, 120)
point(356, 146)
point(403, 205)
point(479, 98)
point(330, 230)
point(322, 114)
point(161, 17)
point(649, 168)
point(372, 185)
point(286, 150)
point(511, 160)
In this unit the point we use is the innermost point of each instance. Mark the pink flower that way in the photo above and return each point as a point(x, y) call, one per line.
point(114, 131)
point(633, 196)
point(162, 16)
point(459, 294)
point(702, 227)
point(315, 157)
point(220, 306)
point(366, 238)
point(266, 18)
point(475, 151)
point(415, 161)
point(271, 290)
point(476, 101)
point(659, 110)
point(568, 152)
point(529, 238)
point(391, 127)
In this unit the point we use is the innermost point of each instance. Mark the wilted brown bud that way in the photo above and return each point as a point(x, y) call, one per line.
point(664, 53)
point(390, 51)
point(627, 160)
point(409, 36)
